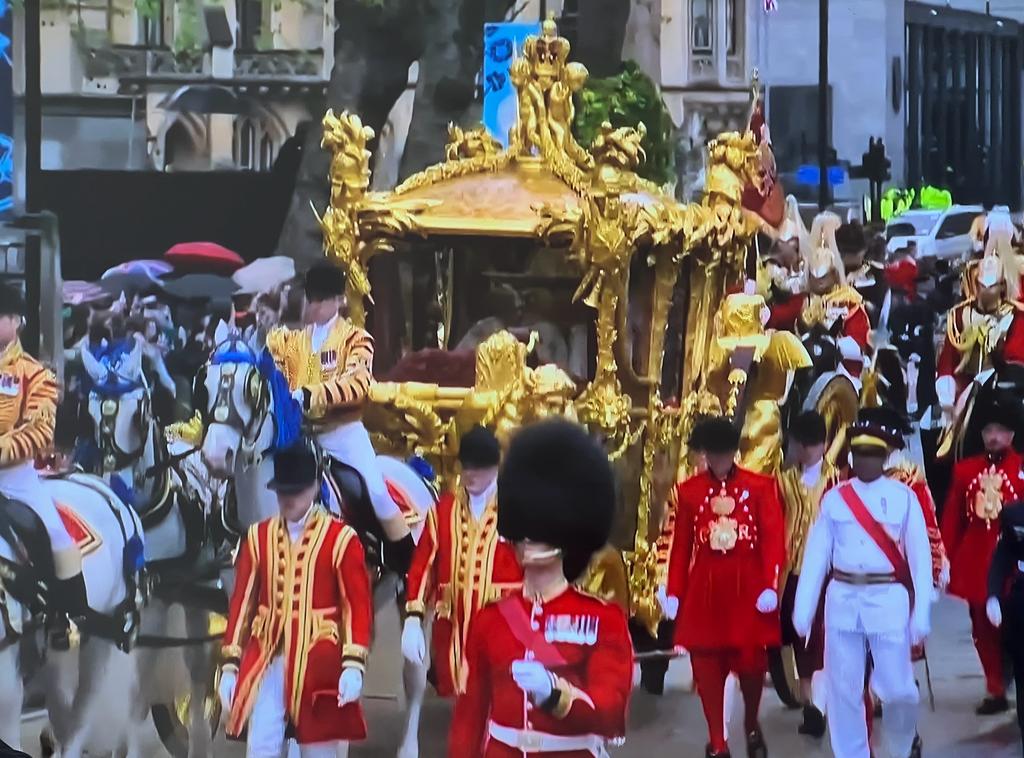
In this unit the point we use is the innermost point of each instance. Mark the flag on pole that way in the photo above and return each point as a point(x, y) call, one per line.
point(771, 5)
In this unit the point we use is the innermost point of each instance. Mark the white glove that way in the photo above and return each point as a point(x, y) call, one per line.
point(533, 679)
point(945, 390)
point(994, 611)
point(669, 605)
point(767, 601)
point(920, 627)
point(414, 647)
point(226, 688)
point(350, 686)
point(944, 575)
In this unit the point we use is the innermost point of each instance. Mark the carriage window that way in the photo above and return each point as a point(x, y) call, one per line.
point(433, 298)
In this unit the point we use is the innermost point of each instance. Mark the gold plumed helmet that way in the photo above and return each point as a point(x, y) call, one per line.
point(1000, 262)
point(792, 225)
point(822, 251)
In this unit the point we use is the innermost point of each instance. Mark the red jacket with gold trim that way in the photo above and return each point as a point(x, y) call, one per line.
point(729, 547)
point(593, 679)
point(459, 565)
point(309, 601)
point(978, 492)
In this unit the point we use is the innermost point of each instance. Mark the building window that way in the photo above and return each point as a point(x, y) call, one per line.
point(701, 25)
point(250, 24)
point(245, 144)
point(731, 27)
point(151, 24)
point(266, 152)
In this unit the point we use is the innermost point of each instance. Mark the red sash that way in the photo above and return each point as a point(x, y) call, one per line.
point(881, 537)
point(533, 640)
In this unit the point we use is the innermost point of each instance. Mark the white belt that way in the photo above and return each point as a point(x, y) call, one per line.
point(530, 741)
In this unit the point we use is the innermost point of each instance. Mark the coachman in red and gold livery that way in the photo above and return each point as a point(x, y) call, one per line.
point(460, 563)
point(299, 623)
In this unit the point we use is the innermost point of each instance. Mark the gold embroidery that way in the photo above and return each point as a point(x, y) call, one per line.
point(724, 533)
point(988, 501)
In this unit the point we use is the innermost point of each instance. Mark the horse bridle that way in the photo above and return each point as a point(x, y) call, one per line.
point(222, 410)
point(113, 457)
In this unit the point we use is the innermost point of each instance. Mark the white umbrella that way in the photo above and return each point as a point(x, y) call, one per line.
point(264, 274)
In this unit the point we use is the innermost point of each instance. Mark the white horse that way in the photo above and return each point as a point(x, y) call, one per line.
point(166, 484)
point(246, 420)
point(84, 686)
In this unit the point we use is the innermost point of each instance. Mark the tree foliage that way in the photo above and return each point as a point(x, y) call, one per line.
point(627, 99)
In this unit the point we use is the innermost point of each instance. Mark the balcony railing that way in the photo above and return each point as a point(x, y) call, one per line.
point(288, 65)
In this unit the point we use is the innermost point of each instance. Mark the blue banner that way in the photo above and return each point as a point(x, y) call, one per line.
point(6, 108)
point(503, 42)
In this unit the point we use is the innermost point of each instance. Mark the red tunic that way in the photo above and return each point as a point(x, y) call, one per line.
point(718, 583)
point(310, 602)
point(950, 357)
point(594, 677)
point(785, 312)
point(970, 520)
point(460, 564)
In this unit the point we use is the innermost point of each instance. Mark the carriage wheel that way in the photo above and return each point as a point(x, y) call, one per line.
point(172, 723)
point(782, 667)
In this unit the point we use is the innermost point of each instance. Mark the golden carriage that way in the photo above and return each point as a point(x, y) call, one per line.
point(620, 281)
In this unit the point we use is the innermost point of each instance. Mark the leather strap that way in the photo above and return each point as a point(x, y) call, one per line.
point(880, 537)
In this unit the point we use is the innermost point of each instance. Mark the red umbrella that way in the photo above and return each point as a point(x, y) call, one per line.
point(207, 257)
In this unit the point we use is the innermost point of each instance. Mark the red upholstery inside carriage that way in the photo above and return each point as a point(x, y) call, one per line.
point(447, 368)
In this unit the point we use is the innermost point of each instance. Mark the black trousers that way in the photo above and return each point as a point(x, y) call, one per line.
point(1013, 640)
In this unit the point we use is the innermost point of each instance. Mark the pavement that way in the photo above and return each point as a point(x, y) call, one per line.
point(673, 725)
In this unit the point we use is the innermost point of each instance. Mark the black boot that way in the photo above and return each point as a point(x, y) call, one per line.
point(992, 705)
point(69, 600)
point(813, 724)
point(756, 748)
point(709, 753)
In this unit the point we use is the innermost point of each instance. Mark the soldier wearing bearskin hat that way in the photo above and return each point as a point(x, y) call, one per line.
point(1005, 605)
point(871, 538)
point(460, 563)
point(723, 579)
point(982, 485)
point(549, 668)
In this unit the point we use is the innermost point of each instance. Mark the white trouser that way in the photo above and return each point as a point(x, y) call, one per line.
point(892, 680)
point(350, 444)
point(21, 482)
point(268, 722)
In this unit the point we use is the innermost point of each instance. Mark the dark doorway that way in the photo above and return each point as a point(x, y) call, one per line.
point(963, 104)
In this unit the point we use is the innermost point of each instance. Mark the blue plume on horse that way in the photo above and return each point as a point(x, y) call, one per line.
point(422, 467)
point(134, 555)
point(125, 493)
point(287, 413)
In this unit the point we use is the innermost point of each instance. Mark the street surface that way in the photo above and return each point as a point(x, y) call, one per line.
point(674, 726)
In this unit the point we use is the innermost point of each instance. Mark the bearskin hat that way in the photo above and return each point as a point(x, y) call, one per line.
point(12, 301)
point(479, 448)
point(557, 487)
point(715, 435)
point(324, 280)
point(994, 406)
point(879, 427)
point(850, 238)
point(809, 428)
